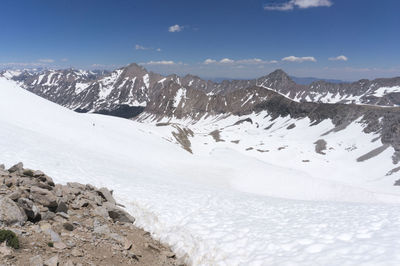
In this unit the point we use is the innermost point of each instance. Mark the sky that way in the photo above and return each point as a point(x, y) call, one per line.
point(337, 39)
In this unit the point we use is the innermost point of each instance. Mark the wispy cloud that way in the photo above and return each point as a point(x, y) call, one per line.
point(299, 59)
point(141, 47)
point(252, 61)
point(64, 60)
point(302, 4)
point(46, 60)
point(21, 64)
point(175, 28)
point(339, 58)
point(163, 62)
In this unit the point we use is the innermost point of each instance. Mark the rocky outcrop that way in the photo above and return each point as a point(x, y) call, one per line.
point(72, 224)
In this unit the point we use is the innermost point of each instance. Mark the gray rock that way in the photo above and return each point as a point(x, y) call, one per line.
point(36, 261)
point(31, 210)
point(68, 227)
point(63, 215)
point(48, 215)
point(2, 167)
point(53, 261)
point(101, 211)
point(106, 194)
point(19, 167)
point(43, 196)
point(15, 195)
point(117, 214)
point(62, 207)
point(53, 235)
point(10, 213)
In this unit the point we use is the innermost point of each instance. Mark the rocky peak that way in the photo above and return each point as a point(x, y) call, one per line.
point(134, 70)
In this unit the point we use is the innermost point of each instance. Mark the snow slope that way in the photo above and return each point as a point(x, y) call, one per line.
point(215, 205)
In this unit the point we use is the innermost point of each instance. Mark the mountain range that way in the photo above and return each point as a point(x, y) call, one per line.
point(135, 93)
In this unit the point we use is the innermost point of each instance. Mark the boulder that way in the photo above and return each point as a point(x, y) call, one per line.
point(43, 196)
point(62, 207)
point(118, 214)
point(106, 194)
point(10, 213)
point(2, 167)
point(31, 210)
point(19, 167)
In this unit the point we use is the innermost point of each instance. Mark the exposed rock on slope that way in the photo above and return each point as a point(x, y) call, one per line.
point(71, 224)
point(127, 91)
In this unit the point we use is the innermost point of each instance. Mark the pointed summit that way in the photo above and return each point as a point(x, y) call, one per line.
point(279, 75)
point(134, 70)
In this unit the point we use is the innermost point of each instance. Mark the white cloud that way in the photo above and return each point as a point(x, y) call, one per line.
point(209, 61)
point(299, 59)
point(64, 59)
point(163, 62)
point(302, 4)
point(46, 60)
point(141, 47)
point(339, 58)
point(226, 61)
point(175, 28)
point(251, 61)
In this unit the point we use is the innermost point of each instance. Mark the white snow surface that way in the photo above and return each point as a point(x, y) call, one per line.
point(223, 204)
point(382, 91)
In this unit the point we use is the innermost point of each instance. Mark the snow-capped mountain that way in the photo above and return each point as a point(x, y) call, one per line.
point(133, 91)
point(127, 91)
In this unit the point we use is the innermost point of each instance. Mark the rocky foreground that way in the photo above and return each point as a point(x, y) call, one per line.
point(72, 224)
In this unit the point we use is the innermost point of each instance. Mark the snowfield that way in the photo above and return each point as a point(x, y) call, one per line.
point(225, 204)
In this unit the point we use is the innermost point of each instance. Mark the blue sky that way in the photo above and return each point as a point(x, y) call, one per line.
point(342, 39)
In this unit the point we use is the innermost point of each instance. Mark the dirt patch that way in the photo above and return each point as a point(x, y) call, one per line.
point(235, 141)
point(373, 153)
point(249, 149)
point(216, 135)
point(282, 148)
point(259, 150)
point(320, 146)
point(182, 137)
